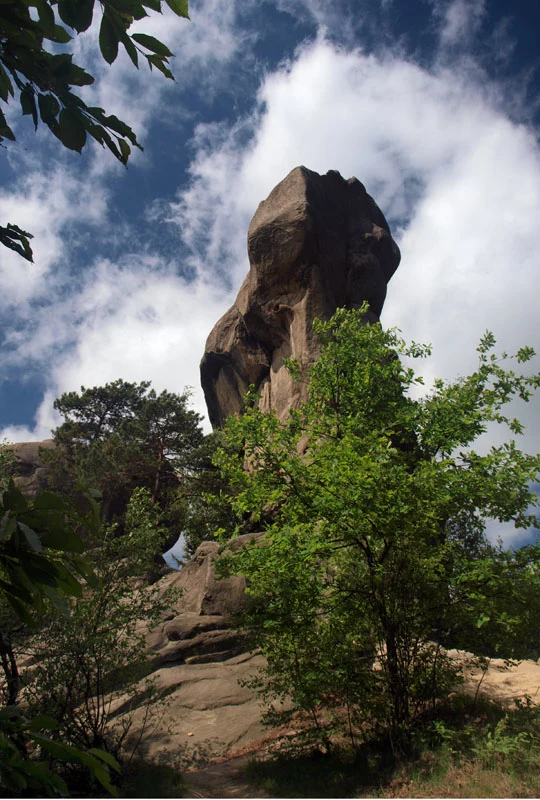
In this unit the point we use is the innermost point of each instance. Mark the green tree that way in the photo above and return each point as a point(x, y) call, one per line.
point(39, 564)
point(92, 659)
point(124, 435)
point(32, 69)
point(7, 464)
point(375, 557)
point(205, 497)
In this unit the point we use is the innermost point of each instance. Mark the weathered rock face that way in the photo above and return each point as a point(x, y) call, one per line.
point(198, 629)
point(317, 243)
point(29, 473)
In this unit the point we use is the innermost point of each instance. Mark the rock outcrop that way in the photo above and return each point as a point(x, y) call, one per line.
point(30, 474)
point(318, 242)
point(199, 664)
point(198, 629)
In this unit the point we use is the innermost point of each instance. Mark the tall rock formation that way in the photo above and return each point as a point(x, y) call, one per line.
point(317, 243)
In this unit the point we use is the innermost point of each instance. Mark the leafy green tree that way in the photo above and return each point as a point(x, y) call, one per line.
point(205, 497)
point(88, 660)
point(32, 69)
point(124, 435)
point(375, 557)
point(39, 564)
point(7, 464)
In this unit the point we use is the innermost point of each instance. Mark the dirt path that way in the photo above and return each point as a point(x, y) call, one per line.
point(226, 779)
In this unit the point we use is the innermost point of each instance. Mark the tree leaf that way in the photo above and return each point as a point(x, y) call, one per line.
point(31, 537)
point(14, 500)
point(77, 76)
point(153, 44)
point(125, 149)
point(17, 591)
point(49, 107)
point(8, 526)
point(60, 35)
point(180, 7)
point(157, 61)
point(16, 239)
point(103, 755)
point(76, 13)
point(46, 17)
point(5, 130)
point(50, 501)
point(28, 104)
point(131, 50)
point(70, 130)
point(43, 721)
point(6, 87)
point(108, 40)
point(62, 538)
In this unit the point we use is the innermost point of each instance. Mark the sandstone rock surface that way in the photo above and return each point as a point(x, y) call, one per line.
point(199, 627)
point(199, 663)
point(30, 473)
point(318, 242)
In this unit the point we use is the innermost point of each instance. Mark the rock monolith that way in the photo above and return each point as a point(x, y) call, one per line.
point(318, 242)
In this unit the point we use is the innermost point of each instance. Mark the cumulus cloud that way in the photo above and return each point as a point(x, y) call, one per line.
point(458, 180)
point(436, 143)
point(131, 321)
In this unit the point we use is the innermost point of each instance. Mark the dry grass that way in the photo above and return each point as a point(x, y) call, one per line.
point(465, 779)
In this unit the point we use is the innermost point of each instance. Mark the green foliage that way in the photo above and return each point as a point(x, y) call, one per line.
point(204, 497)
point(375, 553)
point(124, 435)
point(471, 750)
point(39, 552)
point(89, 660)
point(43, 78)
point(21, 775)
point(39, 563)
point(7, 464)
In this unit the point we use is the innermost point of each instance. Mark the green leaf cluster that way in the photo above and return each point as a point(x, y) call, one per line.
point(87, 661)
point(40, 552)
point(21, 775)
point(40, 566)
point(43, 78)
point(374, 560)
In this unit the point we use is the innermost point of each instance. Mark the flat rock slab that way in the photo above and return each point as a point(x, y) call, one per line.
point(504, 682)
point(206, 714)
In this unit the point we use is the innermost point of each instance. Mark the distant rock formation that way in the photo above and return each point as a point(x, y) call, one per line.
point(30, 474)
point(317, 243)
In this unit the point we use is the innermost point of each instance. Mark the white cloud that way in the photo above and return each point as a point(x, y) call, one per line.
point(44, 202)
point(149, 327)
point(132, 322)
point(457, 178)
point(437, 149)
point(459, 20)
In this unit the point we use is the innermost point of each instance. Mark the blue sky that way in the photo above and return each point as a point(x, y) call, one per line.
point(432, 104)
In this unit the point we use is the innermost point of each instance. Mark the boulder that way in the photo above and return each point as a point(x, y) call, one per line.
point(30, 474)
point(317, 243)
point(200, 627)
